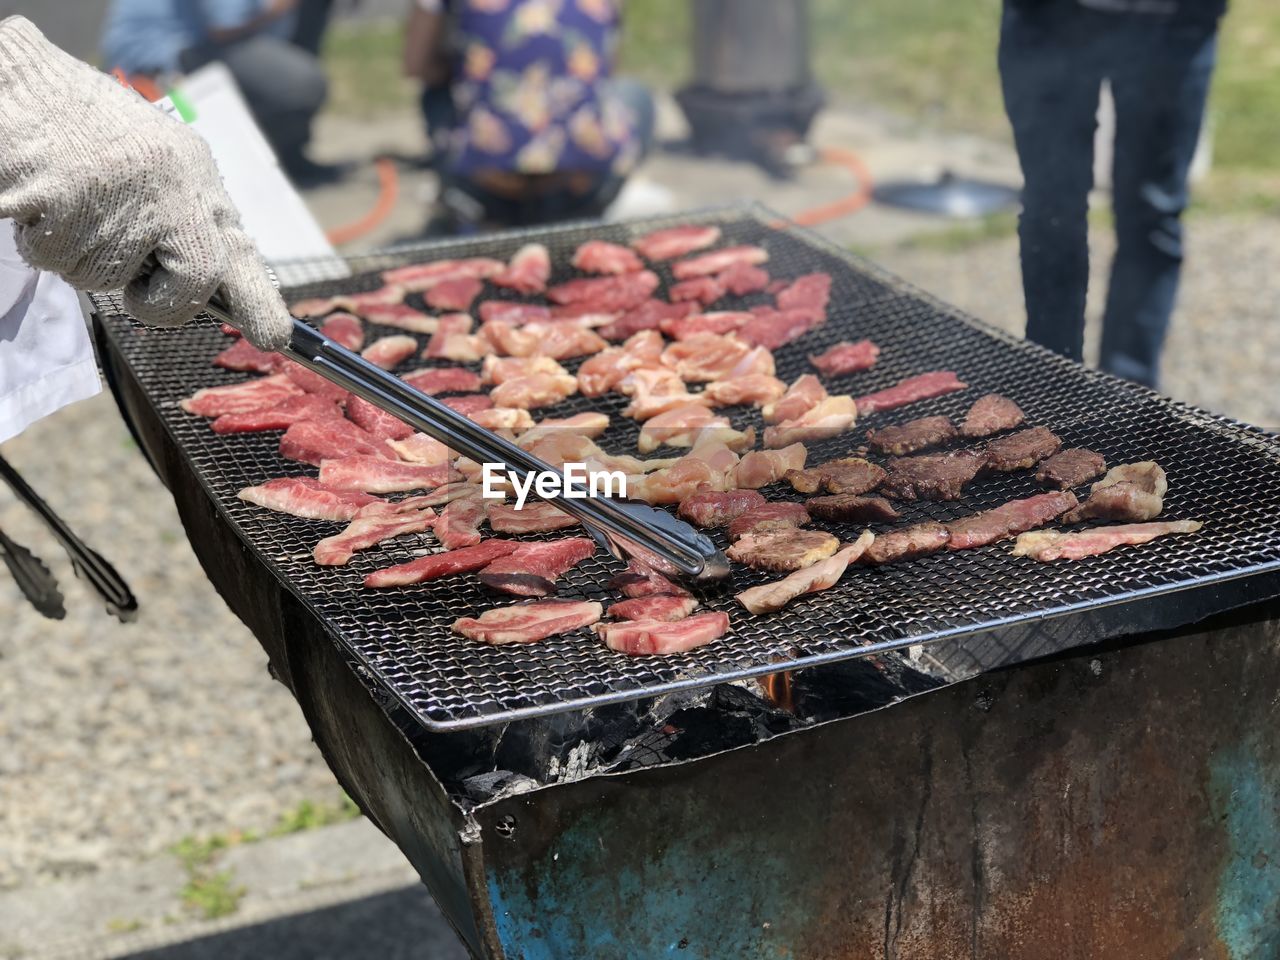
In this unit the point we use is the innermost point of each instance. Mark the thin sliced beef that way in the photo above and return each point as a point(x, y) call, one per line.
point(532, 569)
point(848, 475)
point(782, 549)
point(846, 357)
point(307, 498)
point(1070, 468)
point(771, 597)
point(991, 414)
point(1131, 492)
point(529, 622)
point(936, 383)
point(446, 564)
point(1021, 450)
point(646, 637)
point(912, 436)
point(935, 476)
point(908, 543)
point(851, 508)
point(1007, 520)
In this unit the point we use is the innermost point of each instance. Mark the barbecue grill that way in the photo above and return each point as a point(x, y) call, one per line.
point(544, 791)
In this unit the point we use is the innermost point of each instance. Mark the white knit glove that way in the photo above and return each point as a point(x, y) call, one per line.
point(101, 183)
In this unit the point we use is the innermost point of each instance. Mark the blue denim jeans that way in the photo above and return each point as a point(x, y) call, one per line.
point(1052, 64)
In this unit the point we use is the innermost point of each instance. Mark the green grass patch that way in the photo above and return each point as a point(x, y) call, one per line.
point(966, 234)
point(311, 816)
point(212, 894)
point(363, 61)
point(119, 925)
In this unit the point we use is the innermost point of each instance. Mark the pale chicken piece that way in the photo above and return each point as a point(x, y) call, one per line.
point(829, 418)
point(389, 352)
point(454, 341)
point(771, 597)
point(759, 468)
point(501, 369)
point(582, 424)
point(506, 420)
point(756, 389)
point(655, 391)
point(675, 483)
point(532, 392)
point(803, 395)
point(678, 427)
point(558, 339)
point(606, 370)
point(565, 448)
point(705, 356)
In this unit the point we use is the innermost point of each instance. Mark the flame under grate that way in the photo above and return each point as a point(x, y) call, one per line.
point(1219, 471)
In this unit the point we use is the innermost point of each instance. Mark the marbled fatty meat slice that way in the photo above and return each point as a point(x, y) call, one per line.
point(243, 357)
point(846, 357)
point(650, 637)
point(675, 242)
point(537, 517)
point(240, 397)
point(718, 261)
point(443, 380)
point(532, 569)
point(770, 515)
point(381, 475)
point(772, 597)
point(1050, 545)
point(307, 498)
point(924, 386)
point(715, 508)
point(1007, 520)
point(311, 441)
point(376, 420)
point(446, 564)
point(459, 523)
point(389, 352)
point(664, 607)
point(344, 328)
point(607, 294)
point(454, 294)
point(782, 549)
point(600, 256)
point(529, 622)
point(280, 417)
point(371, 526)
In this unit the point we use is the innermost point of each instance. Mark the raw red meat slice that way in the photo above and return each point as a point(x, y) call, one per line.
point(459, 524)
point(793, 514)
point(279, 417)
point(742, 279)
point(718, 261)
point(311, 441)
point(639, 580)
point(607, 294)
point(401, 315)
point(468, 403)
point(370, 527)
point(355, 302)
point(846, 357)
point(243, 356)
point(644, 637)
point(533, 517)
point(715, 508)
point(313, 383)
point(600, 256)
point(345, 329)
point(455, 294)
point(374, 474)
point(390, 352)
point(240, 397)
point(307, 498)
point(771, 597)
point(675, 241)
point(774, 328)
point(759, 468)
point(664, 607)
point(377, 421)
point(936, 383)
point(809, 292)
point(528, 622)
point(1050, 545)
point(513, 313)
point(528, 272)
point(532, 569)
point(1002, 522)
point(718, 322)
point(704, 290)
point(443, 380)
point(423, 276)
point(228, 329)
point(463, 560)
point(647, 316)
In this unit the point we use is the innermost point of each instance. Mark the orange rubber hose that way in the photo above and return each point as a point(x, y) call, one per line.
point(845, 206)
point(388, 193)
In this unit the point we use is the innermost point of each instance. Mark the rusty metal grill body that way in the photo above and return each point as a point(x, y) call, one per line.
point(1224, 473)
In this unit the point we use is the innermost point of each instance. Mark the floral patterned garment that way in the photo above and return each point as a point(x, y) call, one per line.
point(528, 88)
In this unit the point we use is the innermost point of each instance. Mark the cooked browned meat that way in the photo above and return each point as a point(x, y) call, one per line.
point(934, 476)
point(1021, 450)
point(1131, 492)
point(1050, 545)
point(991, 414)
point(850, 475)
point(912, 436)
point(906, 544)
point(851, 508)
point(1070, 468)
point(1008, 519)
point(783, 550)
point(791, 514)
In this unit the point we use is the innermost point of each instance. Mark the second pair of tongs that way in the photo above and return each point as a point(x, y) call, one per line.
point(628, 529)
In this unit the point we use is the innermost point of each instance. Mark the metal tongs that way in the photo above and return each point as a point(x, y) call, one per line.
point(628, 529)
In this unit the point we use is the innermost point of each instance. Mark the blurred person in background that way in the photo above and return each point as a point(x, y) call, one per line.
point(1158, 57)
point(282, 82)
point(539, 129)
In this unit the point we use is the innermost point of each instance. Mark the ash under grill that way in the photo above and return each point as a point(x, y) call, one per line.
point(1221, 472)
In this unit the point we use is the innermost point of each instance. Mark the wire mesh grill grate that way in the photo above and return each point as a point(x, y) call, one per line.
point(1222, 472)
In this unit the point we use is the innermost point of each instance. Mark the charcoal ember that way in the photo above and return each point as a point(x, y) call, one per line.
point(702, 731)
point(856, 686)
point(769, 719)
point(1022, 450)
point(485, 787)
point(541, 747)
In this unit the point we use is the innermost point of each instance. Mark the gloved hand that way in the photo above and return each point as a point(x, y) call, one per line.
point(100, 182)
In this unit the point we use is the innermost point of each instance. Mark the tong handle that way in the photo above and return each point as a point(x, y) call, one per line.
point(88, 563)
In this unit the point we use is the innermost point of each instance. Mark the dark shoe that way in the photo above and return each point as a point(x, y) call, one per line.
point(306, 174)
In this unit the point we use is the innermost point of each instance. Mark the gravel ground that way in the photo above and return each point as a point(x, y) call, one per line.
point(120, 739)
